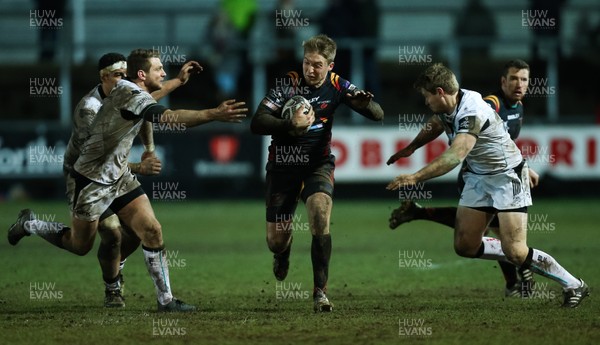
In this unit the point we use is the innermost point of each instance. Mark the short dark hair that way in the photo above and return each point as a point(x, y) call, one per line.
point(139, 59)
point(516, 63)
point(109, 59)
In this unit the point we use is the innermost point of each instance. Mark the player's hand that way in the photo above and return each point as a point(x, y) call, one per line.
point(405, 152)
point(534, 178)
point(230, 111)
point(400, 181)
point(150, 166)
point(302, 122)
point(359, 99)
point(189, 68)
point(146, 155)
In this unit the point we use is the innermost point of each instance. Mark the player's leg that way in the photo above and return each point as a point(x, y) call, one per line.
point(519, 281)
point(317, 194)
point(513, 232)
point(468, 235)
point(109, 257)
point(77, 239)
point(283, 190)
point(135, 211)
point(474, 214)
point(410, 210)
point(88, 202)
point(129, 244)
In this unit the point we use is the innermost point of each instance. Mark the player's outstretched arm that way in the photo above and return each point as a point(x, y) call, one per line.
point(228, 111)
point(362, 102)
point(189, 68)
point(450, 159)
point(430, 131)
point(265, 123)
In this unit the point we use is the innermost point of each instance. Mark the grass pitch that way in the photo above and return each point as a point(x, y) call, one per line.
point(388, 287)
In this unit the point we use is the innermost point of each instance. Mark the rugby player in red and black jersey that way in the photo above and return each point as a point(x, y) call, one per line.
point(300, 163)
point(507, 103)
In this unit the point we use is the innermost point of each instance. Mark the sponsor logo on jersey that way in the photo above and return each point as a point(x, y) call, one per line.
point(314, 99)
point(466, 123)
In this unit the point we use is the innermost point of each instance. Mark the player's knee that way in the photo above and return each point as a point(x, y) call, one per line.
point(110, 232)
point(464, 250)
point(82, 248)
point(516, 254)
point(277, 244)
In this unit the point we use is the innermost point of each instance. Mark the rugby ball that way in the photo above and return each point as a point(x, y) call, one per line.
point(290, 107)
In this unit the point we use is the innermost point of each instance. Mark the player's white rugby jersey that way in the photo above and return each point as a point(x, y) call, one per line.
point(105, 153)
point(84, 114)
point(494, 151)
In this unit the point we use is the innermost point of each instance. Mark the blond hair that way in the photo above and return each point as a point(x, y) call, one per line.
point(322, 45)
point(437, 75)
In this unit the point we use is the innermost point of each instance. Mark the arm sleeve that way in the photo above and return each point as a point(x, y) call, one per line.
point(343, 86)
point(273, 102)
point(138, 103)
point(469, 123)
point(153, 112)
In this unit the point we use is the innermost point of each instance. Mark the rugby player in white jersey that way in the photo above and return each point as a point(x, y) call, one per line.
point(496, 180)
point(116, 243)
point(507, 102)
point(104, 180)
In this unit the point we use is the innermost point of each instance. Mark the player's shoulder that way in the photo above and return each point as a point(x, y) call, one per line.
point(472, 100)
point(339, 83)
point(126, 86)
point(473, 105)
point(494, 100)
point(92, 100)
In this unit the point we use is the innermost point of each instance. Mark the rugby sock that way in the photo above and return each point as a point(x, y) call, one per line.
point(510, 273)
point(442, 215)
point(158, 269)
point(122, 264)
point(491, 249)
point(49, 231)
point(545, 265)
point(320, 253)
point(112, 284)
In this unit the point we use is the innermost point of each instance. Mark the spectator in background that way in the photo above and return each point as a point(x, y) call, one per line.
point(475, 28)
point(337, 22)
point(368, 29)
point(357, 20)
point(545, 30)
point(283, 36)
point(226, 32)
point(52, 11)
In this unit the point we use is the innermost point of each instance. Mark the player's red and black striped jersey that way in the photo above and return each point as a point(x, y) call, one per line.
point(314, 146)
point(512, 115)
